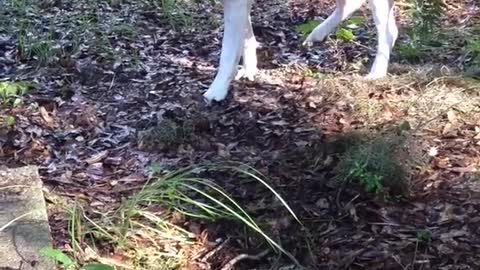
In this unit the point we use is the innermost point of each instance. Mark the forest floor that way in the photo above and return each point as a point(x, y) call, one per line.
point(104, 72)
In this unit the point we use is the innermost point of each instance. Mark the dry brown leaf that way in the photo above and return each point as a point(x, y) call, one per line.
point(46, 117)
point(452, 116)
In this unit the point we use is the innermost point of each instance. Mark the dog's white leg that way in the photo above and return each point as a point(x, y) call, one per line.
point(235, 22)
point(384, 16)
point(343, 10)
point(249, 67)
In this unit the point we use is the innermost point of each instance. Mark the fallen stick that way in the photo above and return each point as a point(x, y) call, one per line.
point(229, 265)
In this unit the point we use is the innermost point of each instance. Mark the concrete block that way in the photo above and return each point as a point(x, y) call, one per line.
point(21, 241)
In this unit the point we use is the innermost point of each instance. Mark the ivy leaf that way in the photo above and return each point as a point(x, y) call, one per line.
point(354, 22)
point(307, 28)
point(345, 34)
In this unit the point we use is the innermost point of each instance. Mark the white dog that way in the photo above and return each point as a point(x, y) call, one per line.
point(238, 35)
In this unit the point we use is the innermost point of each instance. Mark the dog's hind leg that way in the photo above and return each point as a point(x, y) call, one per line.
point(235, 21)
point(343, 10)
point(249, 67)
point(383, 14)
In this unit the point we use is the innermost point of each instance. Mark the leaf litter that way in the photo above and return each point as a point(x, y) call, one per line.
point(115, 70)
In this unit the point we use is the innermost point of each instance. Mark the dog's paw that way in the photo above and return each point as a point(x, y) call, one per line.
point(375, 76)
point(215, 94)
point(247, 72)
point(318, 35)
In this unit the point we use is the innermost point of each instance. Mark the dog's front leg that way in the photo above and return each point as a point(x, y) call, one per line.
point(235, 23)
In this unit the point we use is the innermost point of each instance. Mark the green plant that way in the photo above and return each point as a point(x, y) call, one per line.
point(410, 52)
point(11, 93)
point(97, 266)
point(42, 50)
point(105, 48)
point(370, 181)
point(20, 7)
point(23, 39)
point(425, 15)
point(424, 236)
point(476, 176)
point(34, 44)
point(373, 164)
point(190, 195)
point(68, 263)
point(313, 74)
point(344, 33)
point(141, 223)
point(125, 30)
point(176, 12)
point(59, 257)
point(425, 19)
point(473, 51)
point(306, 28)
point(9, 120)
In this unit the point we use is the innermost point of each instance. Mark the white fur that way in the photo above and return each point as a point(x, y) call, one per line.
point(239, 34)
point(344, 9)
point(387, 32)
point(249, 67)
point(236, 19)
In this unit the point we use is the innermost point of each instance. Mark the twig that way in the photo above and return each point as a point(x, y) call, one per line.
point(112, 82)
point(428, 121)
point(14, 186)
point(415, 255)
point(229, 265)
point(212, 252)
point(345, 182)
point(14, 220)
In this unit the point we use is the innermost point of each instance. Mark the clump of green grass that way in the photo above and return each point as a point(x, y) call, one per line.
point(33, 42)
point(21, 7)
point(125, 30)
point(42, 50)
point(374, 164)
point(166, 135)
point(176, 12)
point(142, 224)
point(184, 192)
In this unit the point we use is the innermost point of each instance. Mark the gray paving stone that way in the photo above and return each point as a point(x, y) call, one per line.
point(21, 241)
